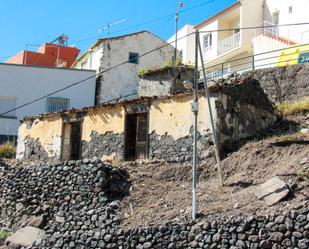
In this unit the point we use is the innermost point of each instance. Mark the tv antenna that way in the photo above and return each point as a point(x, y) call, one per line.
point(109, 25)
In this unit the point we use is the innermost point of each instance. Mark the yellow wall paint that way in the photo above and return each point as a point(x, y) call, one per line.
point(106, 119)
point(48, 131)
point(174, 116)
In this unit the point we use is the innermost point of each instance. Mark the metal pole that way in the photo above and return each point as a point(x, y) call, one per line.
point(195, 112)
point(217, 149)
point(176, 36)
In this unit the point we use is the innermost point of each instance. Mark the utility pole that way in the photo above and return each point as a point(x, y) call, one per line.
point(215, 139)
point(180, 5)
point(195, 108)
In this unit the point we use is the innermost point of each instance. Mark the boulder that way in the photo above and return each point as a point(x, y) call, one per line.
point(25, 237)
point(272, 191)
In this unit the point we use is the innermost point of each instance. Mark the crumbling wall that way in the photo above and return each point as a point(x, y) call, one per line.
point(104, 146)
point(243, 110)
point(40, 139)
point(102, 133)
point(180, 150)
point(283, 83)
point(165, 81)
point(170, 128)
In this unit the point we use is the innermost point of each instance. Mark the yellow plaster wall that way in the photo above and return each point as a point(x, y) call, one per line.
point(174, 116)
point(106, 119)
point(47, 130)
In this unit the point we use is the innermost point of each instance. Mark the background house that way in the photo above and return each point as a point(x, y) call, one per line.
point(20, 84)
point(185, 45)
point(49, 55)
point(222, 50)
point(122, 82)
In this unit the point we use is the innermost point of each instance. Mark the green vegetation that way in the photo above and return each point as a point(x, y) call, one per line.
point(170, 63)
point(303, 173)
point(3, 235)
point(7, 150)
point(290, 108)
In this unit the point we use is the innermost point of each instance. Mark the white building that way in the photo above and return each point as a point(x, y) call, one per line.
point(221, 50)
point(185, 44)
point(21, 84)
point(122, 81)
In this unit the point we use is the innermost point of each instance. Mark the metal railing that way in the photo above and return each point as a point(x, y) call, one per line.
point(268, 30)
point(274, 58)
point(229, 43)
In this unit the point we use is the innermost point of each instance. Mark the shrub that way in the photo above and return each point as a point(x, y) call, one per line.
point(304, 173)
point(290, 108)
point(7, 150)
point(3, 235)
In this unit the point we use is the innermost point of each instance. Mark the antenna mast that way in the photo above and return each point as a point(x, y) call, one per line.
point(108, 27)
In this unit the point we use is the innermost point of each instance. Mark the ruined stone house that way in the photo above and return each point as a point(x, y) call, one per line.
point(148, 127)
point(122, 81)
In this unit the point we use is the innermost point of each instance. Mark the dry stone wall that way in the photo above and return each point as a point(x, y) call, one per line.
point(283, 83)
point(78, 204)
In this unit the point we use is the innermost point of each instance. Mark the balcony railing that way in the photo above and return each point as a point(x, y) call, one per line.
point(228, 43)
point(269, 29)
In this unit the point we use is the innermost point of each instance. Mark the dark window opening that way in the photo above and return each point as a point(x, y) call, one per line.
point(133, 58)
point(136, 136)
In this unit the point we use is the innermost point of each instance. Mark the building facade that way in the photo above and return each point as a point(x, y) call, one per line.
point(155, 128)
point(185, 45)
point(21, 84)
point(222, 49)
point(122, 81)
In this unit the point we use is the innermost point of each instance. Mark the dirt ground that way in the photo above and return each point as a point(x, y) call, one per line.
point(162, 193)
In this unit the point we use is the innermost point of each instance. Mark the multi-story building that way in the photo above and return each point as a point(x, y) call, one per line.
point(122, 81)
point(21, 84)
point(185, 43)
point(225, 39)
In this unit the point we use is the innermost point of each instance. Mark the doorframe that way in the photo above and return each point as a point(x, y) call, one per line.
point(125, 132)
point(69, 119)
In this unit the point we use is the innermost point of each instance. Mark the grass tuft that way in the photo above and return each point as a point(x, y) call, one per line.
point(7, 150)
point(3, 235)
point(290, 108)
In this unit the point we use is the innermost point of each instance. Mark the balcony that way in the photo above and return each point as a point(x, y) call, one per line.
point(229, 43)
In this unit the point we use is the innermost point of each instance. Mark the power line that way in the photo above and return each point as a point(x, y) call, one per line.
point(255, 27)
point(139, 56)
point(83, 80)
point(170, 16)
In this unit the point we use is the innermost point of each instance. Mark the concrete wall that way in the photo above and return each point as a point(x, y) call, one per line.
point(27, 83)
point(123, 81)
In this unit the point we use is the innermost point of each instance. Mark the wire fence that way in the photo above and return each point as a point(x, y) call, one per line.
point(292, 55)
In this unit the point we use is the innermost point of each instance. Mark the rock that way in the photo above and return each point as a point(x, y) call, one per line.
point(272, 191)
point(25, 237)
point(37, 221)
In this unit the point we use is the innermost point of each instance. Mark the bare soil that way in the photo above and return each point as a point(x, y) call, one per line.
point(162, 193)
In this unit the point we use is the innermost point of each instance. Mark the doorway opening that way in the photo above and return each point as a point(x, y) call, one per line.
point(136, 136)
point(71, 141)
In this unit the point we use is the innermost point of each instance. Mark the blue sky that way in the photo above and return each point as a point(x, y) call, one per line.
point(38, 21)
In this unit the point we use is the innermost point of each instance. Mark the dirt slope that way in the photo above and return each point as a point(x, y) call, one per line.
point(162, 193)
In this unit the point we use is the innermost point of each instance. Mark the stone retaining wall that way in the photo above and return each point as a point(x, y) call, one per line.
point(283, 83)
